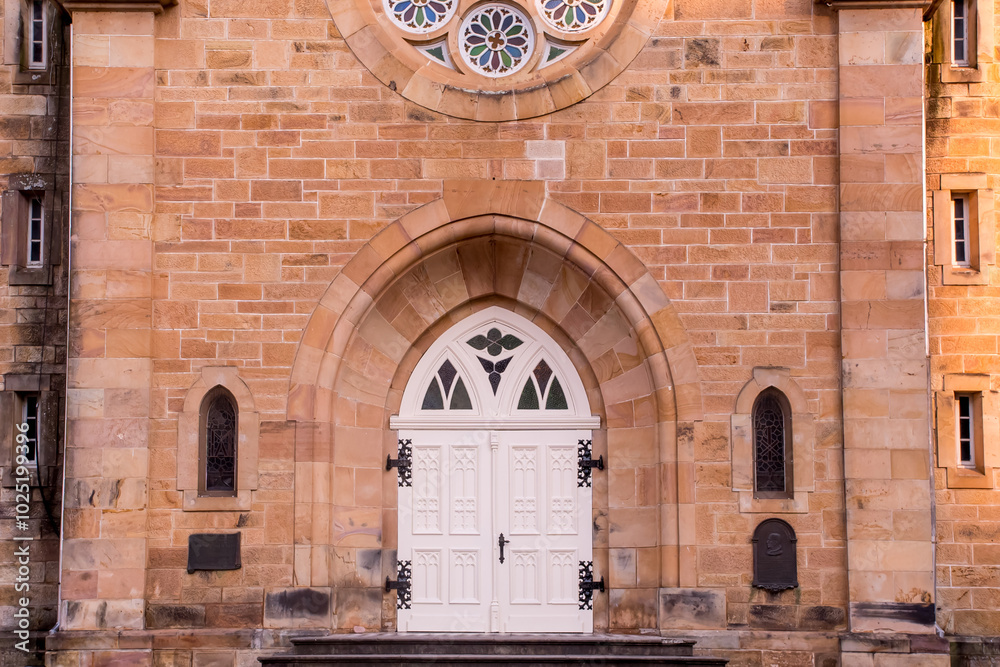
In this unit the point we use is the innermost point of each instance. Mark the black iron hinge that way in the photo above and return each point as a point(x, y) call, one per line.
point(588, 585)
point(403, 463)
point(584, 452)
point(401, 585)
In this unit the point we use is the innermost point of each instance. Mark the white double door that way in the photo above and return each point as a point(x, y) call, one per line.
point(466, 488)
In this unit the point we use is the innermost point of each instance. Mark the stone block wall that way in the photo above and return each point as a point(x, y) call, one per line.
point(757, 164)
point(713, 159)
point(33, 158)
point(963, 128)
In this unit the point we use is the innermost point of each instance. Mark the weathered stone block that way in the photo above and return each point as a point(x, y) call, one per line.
point(692, 608)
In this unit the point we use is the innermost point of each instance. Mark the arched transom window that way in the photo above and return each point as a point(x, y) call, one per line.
point(498, 370)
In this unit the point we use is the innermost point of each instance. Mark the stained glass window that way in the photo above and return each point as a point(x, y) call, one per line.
point(770, 451)
point(433, 400)
point(220, 444)
point(542, 384)
point(446, 381)
point(529, 397)
point(460, 397)
point(556, 400)
point(494, 343)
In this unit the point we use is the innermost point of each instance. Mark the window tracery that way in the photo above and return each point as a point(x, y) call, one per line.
point(538, 389)
point(219, 444)
point(773, 435)
point(495, 60)
point(494, 367)
point(770, 455)
point(446, 388)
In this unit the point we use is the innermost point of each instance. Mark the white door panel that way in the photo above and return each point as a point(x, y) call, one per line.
point(442, 532)
point(548, 519)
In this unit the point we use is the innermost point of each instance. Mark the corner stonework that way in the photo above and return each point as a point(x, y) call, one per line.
point(113, 361)
point(887, 436)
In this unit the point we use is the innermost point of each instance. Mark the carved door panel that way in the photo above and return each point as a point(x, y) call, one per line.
point(546, 516)
point(444, 532)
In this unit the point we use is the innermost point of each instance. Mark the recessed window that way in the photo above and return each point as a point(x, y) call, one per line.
point(772, 453)
point(963, 229)
point(26, 236)
point(966, 427)
point(28, 426)
point(960, 222)
point(36, 233)
point(219, 429)
point(960, 33)
point(36, 35)
point(966, 436)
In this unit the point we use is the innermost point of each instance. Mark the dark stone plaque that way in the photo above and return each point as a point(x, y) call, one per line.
point(213, 551)
point(774, 567)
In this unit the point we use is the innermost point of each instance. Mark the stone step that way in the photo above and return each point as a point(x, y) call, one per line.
point(415, 644)
point(476, 660)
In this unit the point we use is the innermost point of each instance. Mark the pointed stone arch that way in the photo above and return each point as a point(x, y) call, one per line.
point(486, 244)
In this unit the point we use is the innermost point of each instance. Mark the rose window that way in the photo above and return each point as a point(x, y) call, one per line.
point(574, 15)
point(419, 16)
point(496, 39)
point(495, 60)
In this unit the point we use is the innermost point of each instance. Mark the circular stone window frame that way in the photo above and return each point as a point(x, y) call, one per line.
point(393, 59)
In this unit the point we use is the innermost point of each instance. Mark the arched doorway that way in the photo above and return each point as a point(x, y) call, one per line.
point(495, 494)
point(493, 244)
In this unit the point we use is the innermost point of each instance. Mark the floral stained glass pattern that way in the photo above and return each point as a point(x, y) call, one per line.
point(494, 370)
point(420, 16)
point(494, 343)
point(573, 15)
point(496, 39)
point(220, 445)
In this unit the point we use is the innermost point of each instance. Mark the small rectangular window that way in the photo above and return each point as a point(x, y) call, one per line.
point(960, 220)
point(966, 426)
point(36, 35)
point(960, 33)
point(36, 233)
point(29, 426)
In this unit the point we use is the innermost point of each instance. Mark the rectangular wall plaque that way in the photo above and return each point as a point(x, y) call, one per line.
point(214, 551)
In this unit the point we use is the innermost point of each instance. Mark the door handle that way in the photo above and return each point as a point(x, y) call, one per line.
point(502, 542)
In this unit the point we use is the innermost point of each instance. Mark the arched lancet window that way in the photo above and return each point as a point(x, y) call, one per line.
point(542, 388)
point(219, 433)
point(772, 445)
point(446, 389)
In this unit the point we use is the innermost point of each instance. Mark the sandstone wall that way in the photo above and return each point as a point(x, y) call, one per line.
point(962, 136)
point(34, 134)
point(713, 158)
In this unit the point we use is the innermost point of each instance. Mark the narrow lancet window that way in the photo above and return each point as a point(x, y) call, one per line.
point(219, 432)
point(772, 450)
